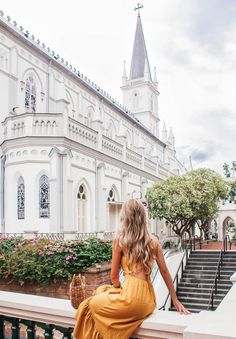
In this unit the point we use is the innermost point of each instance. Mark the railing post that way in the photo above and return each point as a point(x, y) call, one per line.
point(67, 332)
point(2, 327)
point(31, 330)
point(212, 301)
point(48, 331)
point(15, 327)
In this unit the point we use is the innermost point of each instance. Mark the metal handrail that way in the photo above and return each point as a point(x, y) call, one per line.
point(220, 263)
point(226, 240)
point(176, 278)
point(201, 242)
point(217, 277)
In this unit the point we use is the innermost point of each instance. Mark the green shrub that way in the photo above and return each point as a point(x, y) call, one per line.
point(44, 261)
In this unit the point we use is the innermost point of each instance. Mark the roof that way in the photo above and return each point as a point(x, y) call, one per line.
point(139, 54)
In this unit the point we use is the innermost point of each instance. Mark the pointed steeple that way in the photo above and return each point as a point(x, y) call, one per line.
point(164, 132)
point(124, 76)
point(147, 75)
point(139, 54)
point(155, 75)
point(171, 139)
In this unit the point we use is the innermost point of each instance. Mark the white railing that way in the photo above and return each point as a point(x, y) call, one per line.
point(112, 148)
point(162, 170)
point(82, 133)
point(58, 125)
point(133, 158)
point(150, 166)
point(32, 124)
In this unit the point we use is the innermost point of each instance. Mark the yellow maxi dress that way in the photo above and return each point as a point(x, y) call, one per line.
point(116, 312)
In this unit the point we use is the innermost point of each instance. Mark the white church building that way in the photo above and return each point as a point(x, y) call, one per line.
point(70, 153)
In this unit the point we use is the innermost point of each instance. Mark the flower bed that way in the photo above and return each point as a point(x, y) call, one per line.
point(43, 261)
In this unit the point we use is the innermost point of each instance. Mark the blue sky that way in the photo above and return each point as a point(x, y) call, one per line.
point(191, 42)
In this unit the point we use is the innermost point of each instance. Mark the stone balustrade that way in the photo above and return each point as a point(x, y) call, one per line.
point(112, 148)
point(133, 158)
point(82, 133)
point(30, 124)
point(58, 125)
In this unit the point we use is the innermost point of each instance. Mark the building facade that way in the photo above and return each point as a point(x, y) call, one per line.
point(70, 153)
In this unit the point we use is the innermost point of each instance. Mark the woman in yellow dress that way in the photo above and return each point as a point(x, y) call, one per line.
point(115, 311)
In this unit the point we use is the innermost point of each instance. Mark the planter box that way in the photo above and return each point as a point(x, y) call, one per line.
point(95, 276)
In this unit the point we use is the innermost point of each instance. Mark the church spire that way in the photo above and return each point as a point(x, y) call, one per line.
point(124, 76)
point(139, 54)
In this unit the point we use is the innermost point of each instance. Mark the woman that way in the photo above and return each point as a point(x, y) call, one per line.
point(115, 311)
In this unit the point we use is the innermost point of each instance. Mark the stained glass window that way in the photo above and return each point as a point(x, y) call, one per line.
point(44, 202)
point(82, 208)
point(30, 95)
point(21, 198)
point(111, 195)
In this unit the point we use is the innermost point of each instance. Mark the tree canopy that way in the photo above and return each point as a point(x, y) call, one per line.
point(185, 200)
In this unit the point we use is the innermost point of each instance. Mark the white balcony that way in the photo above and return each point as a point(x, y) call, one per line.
point(58, 125)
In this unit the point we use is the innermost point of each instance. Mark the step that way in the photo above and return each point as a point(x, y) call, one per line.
point(200, 306)
point(192, 310)
point(202, 262)
point(209, 267)
point(195, 301)
point(204, 255)
point(201, 291)
point(202, 285)
point(191, 294)
point(202, 275)
point(212, 262)
point(227, 271)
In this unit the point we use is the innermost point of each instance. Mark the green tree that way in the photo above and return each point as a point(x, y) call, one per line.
point(170, 200)
point(209, 189)
point(188, 199)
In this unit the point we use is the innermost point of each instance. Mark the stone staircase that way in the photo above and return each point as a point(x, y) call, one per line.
point(194, 288)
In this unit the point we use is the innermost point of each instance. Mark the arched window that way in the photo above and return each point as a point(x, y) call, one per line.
point(111, 195)
point(30, 95)
point(44, 202)
point(82, 200)
point(20, 198)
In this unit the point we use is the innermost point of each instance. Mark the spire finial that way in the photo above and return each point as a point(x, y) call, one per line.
point(138, 7)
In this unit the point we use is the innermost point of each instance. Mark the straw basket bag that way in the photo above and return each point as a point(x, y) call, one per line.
point(77, 290)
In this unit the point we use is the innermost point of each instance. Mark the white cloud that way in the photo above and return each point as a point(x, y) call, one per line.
point(192, 43)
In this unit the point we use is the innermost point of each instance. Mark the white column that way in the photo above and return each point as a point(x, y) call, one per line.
point(124, 186)
point(143, 187)
point(100, 198)
point(55, 190)
point(68, 202)
point(2, 198)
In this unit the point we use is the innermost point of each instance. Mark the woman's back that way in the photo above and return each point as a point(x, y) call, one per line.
point(137, 269)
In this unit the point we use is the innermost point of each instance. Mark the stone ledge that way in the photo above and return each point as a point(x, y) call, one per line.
point(161, 324)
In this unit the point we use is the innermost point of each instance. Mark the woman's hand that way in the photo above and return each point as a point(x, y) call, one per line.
point(180, 307)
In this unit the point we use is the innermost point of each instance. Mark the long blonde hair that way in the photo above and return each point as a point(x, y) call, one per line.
point(134, 236)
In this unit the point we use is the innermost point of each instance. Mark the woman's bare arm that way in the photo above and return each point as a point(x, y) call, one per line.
point(116, 261)
point(167, 278)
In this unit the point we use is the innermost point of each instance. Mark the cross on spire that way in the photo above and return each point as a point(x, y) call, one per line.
point(138, 7)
